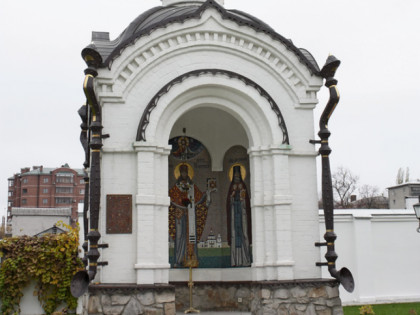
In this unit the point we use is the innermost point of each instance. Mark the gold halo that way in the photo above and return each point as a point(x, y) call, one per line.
point(177, 173)
point(243, 171)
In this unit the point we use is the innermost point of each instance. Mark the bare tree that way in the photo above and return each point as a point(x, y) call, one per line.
point(344, 184)
point(407, 175)
point(2, 228)
point(400, 176)
point(368, 196)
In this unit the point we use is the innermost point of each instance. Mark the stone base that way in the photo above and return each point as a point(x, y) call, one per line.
point(296, 297)
point(130, 299)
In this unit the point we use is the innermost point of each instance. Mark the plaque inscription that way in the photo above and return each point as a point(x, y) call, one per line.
point(119, 214)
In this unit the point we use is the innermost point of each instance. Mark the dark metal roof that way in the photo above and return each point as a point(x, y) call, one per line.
point(101, 52)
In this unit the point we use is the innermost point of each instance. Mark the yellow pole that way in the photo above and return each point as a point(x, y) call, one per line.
point(190, 285)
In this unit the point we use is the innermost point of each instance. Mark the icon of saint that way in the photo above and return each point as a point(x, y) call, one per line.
point(238, 218)
point(187, 215)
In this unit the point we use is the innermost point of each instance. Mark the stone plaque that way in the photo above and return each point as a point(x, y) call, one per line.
point(119, 216)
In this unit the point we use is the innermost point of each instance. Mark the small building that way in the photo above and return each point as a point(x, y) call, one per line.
point(206, 115)
point(34, 221)
point(398, 195)
point(44, 187)
point(211, 240)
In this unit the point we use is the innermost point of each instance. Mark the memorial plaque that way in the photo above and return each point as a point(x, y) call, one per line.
point(119, 216)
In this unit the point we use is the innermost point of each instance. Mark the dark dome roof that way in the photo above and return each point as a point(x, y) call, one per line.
point(103, 51)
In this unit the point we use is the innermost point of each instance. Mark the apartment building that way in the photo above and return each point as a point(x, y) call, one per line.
point(41, 187)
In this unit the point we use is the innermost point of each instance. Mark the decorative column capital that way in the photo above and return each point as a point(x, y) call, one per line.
point(140, 146)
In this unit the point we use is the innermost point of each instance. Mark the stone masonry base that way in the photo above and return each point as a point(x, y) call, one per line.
point(130, 299)
point(297, 297)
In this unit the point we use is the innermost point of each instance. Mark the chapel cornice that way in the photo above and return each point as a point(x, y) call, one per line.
point(209, 35)
point(105, 51)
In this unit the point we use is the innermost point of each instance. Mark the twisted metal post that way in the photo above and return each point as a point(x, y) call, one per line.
point(91, 139)
point(344, 275)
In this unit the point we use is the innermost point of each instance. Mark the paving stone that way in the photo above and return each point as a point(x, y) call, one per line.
point(94, 305)
point(133, 308)
point(119, 299)
point(298, 292)
point(326, 311)
point(243, 293)
point(317, 292)
point(146, 298)
point(153, 311)
point(165, 297)
point(301, 307)
point(265, 293)
point(332, 292)
point(311, 310)
point(281, 294)
point(334, 302)
point(113, 309)
point(169, 308)
point(338, 310)
point(105, 300)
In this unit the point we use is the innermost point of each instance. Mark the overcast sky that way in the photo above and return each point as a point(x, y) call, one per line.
point(374, 128)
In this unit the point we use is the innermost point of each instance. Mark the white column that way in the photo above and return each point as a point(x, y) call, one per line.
point(257, 213)
point(282, 204)
point(365, 287)
point(269, 233)
point(152, 204)
point(271, 214)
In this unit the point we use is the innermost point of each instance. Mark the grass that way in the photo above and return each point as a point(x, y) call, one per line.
point(387, 309)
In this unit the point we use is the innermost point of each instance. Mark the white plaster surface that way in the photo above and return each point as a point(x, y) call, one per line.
point(31, 221)
point(381, 249)
point(211, 106)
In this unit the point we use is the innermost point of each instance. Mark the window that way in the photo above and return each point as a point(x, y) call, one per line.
point(63, 190)
point(24, 201)
point(45, 190)
point(10, 193)
point(10, 204)
point(25, 180)
point(415, 191)
point(64, 177)
point(24, 191)
point(45, 180)
point(44, 201)
point(82, 191)
point(82, 181)
point(63, 200)
point(11, 182)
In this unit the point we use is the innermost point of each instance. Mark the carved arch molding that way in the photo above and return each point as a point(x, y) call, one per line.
point(144, 121)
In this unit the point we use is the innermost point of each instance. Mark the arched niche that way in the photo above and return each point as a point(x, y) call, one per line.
point(215, 108)
point(215, 128)
point(218, 200)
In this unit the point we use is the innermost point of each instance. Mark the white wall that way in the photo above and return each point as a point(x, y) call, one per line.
point(31, 221)
point(382, 250)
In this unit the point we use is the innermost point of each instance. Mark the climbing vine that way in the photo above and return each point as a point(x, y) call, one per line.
point(50, 261)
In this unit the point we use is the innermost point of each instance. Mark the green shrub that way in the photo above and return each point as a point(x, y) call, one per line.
point(50, 261)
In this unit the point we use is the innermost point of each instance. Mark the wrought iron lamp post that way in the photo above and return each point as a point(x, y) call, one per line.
point(91, 139)
point(343, 275)
point(416, 207)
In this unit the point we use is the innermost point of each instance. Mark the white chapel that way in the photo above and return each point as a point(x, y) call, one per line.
point(202, 118)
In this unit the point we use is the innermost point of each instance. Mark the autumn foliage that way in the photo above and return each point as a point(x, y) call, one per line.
point(50, 261)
